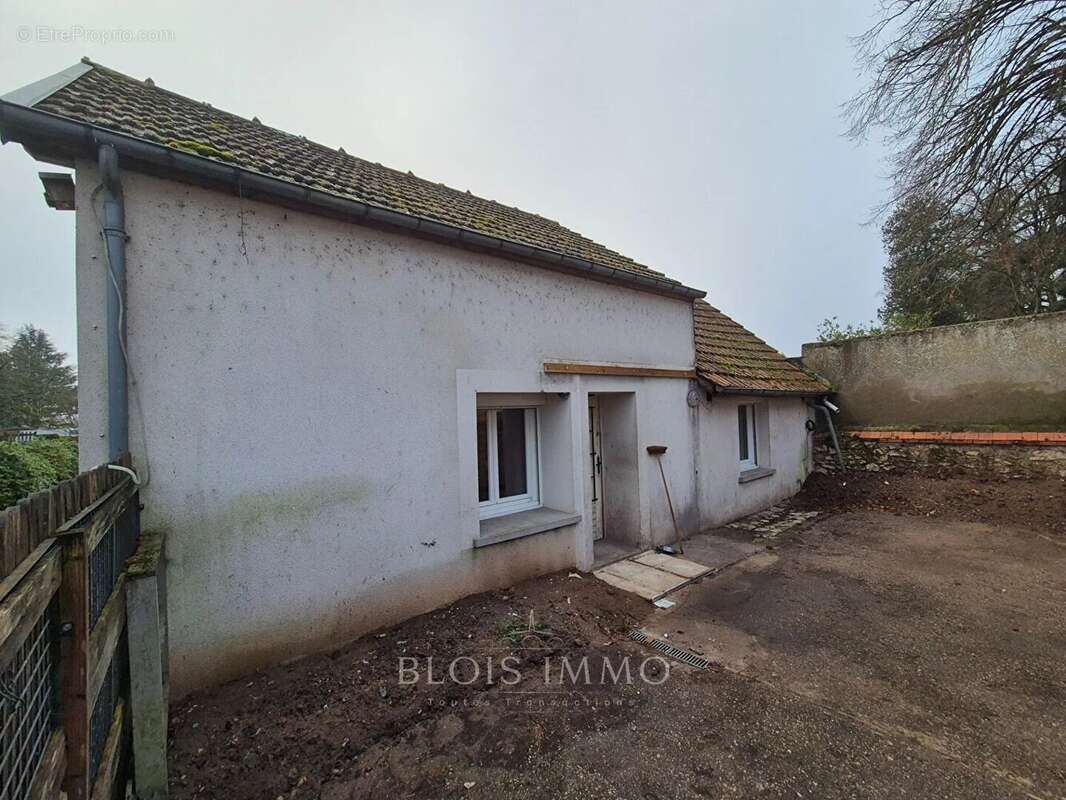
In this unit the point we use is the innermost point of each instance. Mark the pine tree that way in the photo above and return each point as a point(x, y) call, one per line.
point(37, 387)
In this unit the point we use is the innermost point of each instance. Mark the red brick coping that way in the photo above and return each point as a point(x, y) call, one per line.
point(963, 437)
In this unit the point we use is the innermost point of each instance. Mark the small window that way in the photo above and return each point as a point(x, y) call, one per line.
point(749, 446)
point(507, 464)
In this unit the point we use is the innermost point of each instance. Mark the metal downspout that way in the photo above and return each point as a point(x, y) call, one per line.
point(832, 432)
point(114, 235)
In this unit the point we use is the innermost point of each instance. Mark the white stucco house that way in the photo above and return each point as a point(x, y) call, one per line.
point(356, 395)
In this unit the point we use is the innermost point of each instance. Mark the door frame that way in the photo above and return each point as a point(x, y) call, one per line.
point(598, 520)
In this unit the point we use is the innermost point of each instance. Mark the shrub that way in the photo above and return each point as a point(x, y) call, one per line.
point(61, 453)
point(29, 467)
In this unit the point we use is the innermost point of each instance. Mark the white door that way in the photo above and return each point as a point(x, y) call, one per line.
point(596, 467)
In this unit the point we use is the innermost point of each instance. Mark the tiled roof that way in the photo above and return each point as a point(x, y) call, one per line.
point(734, 359)
point(119, 103)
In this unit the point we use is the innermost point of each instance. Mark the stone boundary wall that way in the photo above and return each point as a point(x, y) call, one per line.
point(1000, 375)
point(992, 455)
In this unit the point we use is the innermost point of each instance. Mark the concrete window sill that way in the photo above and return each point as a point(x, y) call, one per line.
point(749, 475)
point(524, 523)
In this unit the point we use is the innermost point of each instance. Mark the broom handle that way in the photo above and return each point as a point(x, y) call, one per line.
point(669, 502)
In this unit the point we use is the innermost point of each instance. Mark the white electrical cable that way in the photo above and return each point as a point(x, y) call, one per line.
point(128, 471)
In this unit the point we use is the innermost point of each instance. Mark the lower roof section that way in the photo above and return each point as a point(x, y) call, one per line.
point(736, 361)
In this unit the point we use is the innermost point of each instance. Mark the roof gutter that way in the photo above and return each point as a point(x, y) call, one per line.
point(46, 132)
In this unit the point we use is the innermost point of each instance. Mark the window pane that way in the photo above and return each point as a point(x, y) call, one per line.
point(742, 422)
point(511, 445)
point(482, 456)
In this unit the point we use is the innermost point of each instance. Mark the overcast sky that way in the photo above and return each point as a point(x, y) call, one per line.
point(701, 138)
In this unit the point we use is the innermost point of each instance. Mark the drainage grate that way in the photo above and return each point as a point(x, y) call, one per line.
point(676, 653)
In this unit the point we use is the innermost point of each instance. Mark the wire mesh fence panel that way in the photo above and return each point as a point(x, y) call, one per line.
point(108, 557)
point(106, 563)
point(100, 722)
point(114, 688)
point(102, 572)
point(127, 533)
point(27, 708)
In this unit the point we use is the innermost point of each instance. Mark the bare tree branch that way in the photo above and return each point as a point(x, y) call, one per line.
point(971, 95)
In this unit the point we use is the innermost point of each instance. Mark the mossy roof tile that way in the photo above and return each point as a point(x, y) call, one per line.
point(733, 358)
point(117, 102)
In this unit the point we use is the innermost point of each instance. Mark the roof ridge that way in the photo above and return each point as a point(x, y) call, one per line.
point(110, 100)
point(149, 83)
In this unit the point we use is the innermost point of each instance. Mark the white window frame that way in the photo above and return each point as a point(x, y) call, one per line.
point(496, 506)
point(752, 461)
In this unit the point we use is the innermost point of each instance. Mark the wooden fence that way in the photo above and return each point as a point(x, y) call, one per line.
point(64, 666)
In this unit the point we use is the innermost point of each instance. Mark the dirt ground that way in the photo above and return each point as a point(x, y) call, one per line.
point(1040, 505)
point(910, 643)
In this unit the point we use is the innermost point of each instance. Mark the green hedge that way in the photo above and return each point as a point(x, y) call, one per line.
point(29, 467)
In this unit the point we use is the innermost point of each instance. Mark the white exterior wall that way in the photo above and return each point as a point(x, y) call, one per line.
point(722, 497)
point(309, 414)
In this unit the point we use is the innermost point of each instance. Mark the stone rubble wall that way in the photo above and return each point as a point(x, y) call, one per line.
point(998, 460)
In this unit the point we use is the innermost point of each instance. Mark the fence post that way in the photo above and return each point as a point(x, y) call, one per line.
point(146, 608)
point(73, 649)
